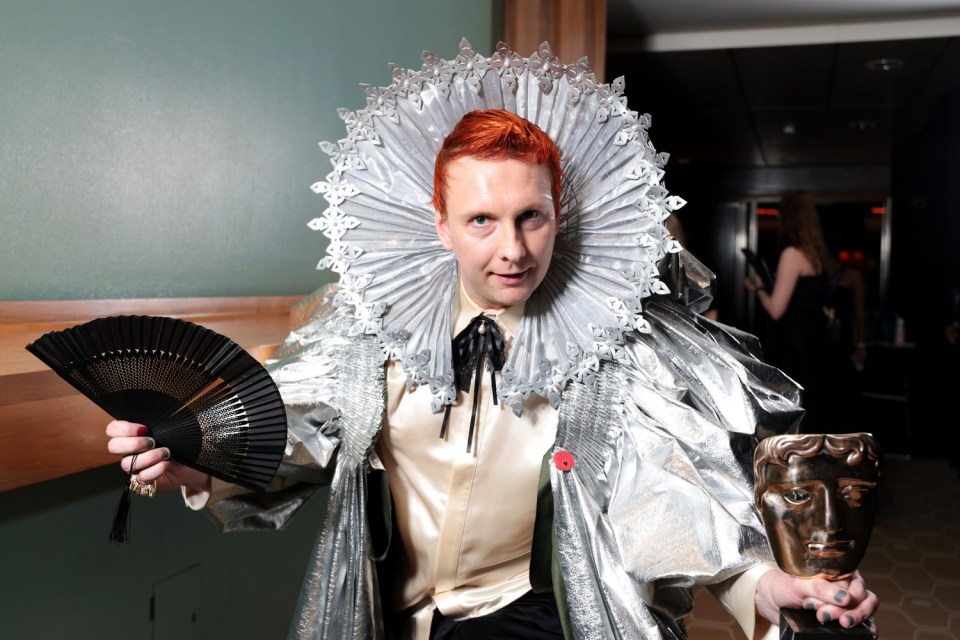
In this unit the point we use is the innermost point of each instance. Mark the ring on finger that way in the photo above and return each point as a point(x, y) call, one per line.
point(145, 489)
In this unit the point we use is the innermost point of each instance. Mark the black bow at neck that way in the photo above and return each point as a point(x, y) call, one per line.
point(480, 341)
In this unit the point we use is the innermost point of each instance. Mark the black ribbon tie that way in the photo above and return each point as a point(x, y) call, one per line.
point(480, 341)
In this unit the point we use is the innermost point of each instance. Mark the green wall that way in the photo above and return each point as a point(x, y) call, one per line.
point(166, 148)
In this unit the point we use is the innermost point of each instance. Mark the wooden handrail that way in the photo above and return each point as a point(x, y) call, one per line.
point(47, 428)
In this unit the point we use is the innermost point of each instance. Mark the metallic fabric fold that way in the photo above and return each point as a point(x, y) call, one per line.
point(340, 597)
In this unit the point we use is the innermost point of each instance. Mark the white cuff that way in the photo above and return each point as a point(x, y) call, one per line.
point(197, 499)
point(738, 595)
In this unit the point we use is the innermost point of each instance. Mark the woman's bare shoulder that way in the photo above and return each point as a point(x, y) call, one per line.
point(794, 258)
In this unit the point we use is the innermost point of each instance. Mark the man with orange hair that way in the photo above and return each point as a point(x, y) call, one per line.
point(511, 451)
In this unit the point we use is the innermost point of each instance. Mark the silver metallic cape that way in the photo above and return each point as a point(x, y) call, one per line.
point(659, 498)
point(320, 368)
point(658, 405)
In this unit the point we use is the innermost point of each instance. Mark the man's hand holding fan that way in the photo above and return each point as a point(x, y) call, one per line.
point(188, 403)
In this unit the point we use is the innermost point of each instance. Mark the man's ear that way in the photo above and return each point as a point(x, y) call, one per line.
point(443, 231)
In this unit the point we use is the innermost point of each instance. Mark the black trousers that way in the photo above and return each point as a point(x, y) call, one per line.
point(534, 616)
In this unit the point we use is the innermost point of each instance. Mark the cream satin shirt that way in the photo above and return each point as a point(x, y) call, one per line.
point(465, 519)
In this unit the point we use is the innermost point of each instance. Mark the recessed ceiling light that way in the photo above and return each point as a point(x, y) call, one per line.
point(789, 128)
point(884, 64)
point(862, 125)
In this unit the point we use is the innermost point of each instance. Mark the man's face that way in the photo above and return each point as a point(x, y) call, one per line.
point(819, 512)
point(500, 225)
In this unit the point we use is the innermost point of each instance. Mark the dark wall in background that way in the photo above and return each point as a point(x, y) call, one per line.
point(719, 113)
point(926, 265)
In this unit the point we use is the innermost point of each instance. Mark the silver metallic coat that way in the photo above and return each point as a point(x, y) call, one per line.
point(659, 499)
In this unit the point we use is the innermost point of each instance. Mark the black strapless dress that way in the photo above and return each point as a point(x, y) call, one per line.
point(799, 343)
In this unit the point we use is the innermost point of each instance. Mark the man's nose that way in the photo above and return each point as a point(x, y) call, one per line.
point(511, 244)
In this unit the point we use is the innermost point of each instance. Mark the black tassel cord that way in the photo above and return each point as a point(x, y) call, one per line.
point(120, 530)
point(479, 342)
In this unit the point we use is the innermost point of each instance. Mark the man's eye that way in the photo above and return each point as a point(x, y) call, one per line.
point(529, 215)
point(796, 496)
point(480, 220)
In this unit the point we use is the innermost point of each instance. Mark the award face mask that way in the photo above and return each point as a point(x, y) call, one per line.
point(818, 496)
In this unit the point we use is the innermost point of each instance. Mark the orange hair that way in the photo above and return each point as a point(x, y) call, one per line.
point(494, 134)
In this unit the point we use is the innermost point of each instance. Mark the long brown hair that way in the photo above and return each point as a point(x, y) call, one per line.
point(799, 226)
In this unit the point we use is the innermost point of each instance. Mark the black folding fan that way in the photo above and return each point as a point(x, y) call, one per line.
point(207, 400)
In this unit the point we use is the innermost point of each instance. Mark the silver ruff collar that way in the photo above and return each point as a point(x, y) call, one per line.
point(400, 281)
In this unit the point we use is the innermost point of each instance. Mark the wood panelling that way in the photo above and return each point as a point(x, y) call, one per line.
point(47, 428)
point(574, 29)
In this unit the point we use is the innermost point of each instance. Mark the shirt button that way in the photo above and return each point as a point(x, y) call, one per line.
point(563, 460)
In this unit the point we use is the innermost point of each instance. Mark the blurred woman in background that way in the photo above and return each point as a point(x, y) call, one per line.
point(799, 340)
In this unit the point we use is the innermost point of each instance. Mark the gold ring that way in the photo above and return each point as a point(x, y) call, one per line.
point(145, 489)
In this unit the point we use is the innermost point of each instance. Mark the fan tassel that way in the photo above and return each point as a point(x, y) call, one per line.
point(120, 532)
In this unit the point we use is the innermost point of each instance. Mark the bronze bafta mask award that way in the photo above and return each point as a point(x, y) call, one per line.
point(818, 497)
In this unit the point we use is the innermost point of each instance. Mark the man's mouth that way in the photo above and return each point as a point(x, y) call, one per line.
point(511, 277)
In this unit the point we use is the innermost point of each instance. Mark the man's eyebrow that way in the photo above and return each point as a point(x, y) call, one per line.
point(534, 206)
point(540, 203)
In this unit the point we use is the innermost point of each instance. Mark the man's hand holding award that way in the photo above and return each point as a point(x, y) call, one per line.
point(818, 497)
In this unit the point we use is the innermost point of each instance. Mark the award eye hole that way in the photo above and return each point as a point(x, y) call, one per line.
point(853, 496)
point(796, 496)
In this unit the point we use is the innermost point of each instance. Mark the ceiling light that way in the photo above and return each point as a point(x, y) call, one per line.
point(884, 64)
point(862, 125)
point(789, 128)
